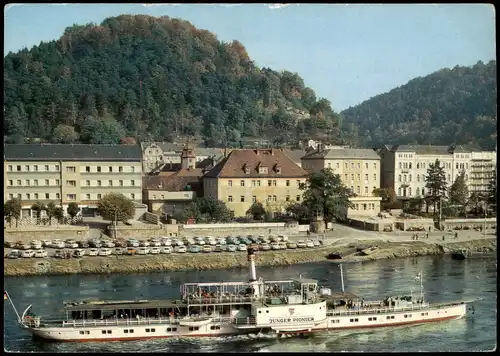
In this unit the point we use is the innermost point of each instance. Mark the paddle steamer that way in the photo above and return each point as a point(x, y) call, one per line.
point(296, 306)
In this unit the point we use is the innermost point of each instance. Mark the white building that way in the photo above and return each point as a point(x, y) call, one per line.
point(404, 167)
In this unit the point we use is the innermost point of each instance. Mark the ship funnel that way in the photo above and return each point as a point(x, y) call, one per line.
point(252, 275)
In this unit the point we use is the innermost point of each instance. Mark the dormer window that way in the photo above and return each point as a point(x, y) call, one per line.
point(246, 169)
point(263, 170)
point(277, 169)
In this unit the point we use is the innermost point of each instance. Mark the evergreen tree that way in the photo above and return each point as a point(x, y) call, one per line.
point(459, 193)
point(435, 183)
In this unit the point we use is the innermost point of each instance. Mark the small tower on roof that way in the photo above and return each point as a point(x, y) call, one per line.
point(188, 157)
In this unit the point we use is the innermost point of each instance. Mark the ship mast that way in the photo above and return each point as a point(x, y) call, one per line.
point(252, 275)
point(341, 277)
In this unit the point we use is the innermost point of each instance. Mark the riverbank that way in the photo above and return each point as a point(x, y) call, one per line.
point(179, 262)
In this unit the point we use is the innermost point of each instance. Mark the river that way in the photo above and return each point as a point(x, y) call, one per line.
point(443, 279)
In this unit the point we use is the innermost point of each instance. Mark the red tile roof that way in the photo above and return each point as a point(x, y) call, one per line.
point(233, 166)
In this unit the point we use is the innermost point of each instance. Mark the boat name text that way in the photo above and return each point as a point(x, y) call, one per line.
point(290, 320)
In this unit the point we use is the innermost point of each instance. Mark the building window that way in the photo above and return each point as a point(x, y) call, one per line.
point(28, 196)
point(230, 198)
point(35, 168)
point(345, 176)
point(399, 191)
point(456, 166)
point(99, 196)
point(404, 178)
point(242, 183)
point(287, 198)
point(46, 168)
point(254, 199)
point(409, 177)
point(423, 191)
point(70, 196)
point(345, 165)
point(258, 183)
point(268, 198)
point(9, 168)
point(58, 182)
point(120, 183)
point(418, 191)
point(358, 189)
point(374, 176)
point(88, 196)
point(99, 183)
point(110, 183)
point(400, 165)
point(287, 183)
point(11, 182)
point(399, 178)
point(418, 177)
point(47, 195)
point(98, 169)
point(229, 183)
point(352, 176)
point(329, 165)
point(359, 165)
point(19, 182)
point(274, 198)
point(359, 176)
point(352, 165)
point(27, 168)
point(409, 165)
point(11, 196)
point(87, 183)
point(274, 183)
point(132, 169)
point(253, 183)
point(364, 206)
point(27, 182)
point(242, 198)
point(366, 165)
point(269, 183)
point(71, 183)
point(120, 169)
point(87, 169)
point(297, 198)
point(71, 169)
point(36, 195)
point(132, 183)
point(366, 177)
point(366, 190)
point(409, 191)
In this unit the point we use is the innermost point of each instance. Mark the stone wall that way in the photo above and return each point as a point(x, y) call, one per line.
point(62, 232)
point(143, 231)
point(407, 224)
point(452, 224)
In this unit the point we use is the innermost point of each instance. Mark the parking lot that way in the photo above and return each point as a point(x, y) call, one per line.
point(157, 245)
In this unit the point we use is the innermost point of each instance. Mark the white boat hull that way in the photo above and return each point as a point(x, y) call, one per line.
point(214, 329)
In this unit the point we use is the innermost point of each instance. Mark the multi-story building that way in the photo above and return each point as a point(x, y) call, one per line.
point(404, 167)
point(246, 176)
point(70, 173)
point(359, 170)
point(483, 169)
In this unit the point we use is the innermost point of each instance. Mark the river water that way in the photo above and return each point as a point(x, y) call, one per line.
point(443, 279)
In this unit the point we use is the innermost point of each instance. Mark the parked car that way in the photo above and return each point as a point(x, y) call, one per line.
point(317, 243)
point(62, 254)
point(283, 238)
point(154, 250)
point(231, 248)
point(95, 244)
point(207, 248)
point(218, 248)
point(182, 249)
point(14, 254)
point(291, 245)
point(301, 244)
point(132, 243)
point(242, 247)
point(155, 243)
point(275, 238)
point(282, 245)
point(142, 251)
point(41, 254)
point(83, 244)
point(275, 246)
point(93, 252)
point(119, 251)
point(25, 246)
point(166, 242)
point(224, 248)
point(105, 251)
point(36, 245)
point(46, 243)
point(212, 242)
point(255, 246)
point(144, 243)
point(71, 245)
point(194, 249)
point(79, 252)
point(200, 241)
point(120, 243)
point(309, 243)
point(166, 249)
point(177, 242)
point(131, 251)
point(265, 247)
point(108, 244)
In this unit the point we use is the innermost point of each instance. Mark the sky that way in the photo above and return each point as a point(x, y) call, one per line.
point(346, 53)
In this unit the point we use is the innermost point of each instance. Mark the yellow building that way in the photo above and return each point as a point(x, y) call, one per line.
point(246, 176)
point(70, 173)
point(359, 170)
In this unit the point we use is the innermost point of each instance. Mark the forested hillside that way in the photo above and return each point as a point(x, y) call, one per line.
point(449, 106)
point(154, 79)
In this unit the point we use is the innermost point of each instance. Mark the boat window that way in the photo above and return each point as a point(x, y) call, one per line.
point(153, 330)
point(171, 329)
point(409, 316)
point(103, 331)
point(406, 316)
point(375, 318)
point(81, 332)
point(109, 331)
point(194, 328)
point(87, 332)
point(260, 311)
point(351, 320)
point(267, 311)
point(392, 316)
point(356, 319)
point(125, 331)
point(147, 330)
point(388, 317)
point(215, 327)
point(131, 331)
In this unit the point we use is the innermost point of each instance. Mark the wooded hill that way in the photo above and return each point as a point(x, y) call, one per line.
point(155, 79)
point(449, 106)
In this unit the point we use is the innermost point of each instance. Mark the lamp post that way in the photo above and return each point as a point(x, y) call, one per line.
point(116, 213)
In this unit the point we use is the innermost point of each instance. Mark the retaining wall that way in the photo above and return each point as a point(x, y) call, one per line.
point(62, 232)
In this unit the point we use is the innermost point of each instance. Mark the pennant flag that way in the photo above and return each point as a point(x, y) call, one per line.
point(5, 296)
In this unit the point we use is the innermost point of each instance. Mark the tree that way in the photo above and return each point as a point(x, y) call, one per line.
point(208, 209)
point(459, 193)
point(64, 134)
point(257, 211)
point(12, 210)
point(492, 190)
point(51, 210)
point(128, 141)
point(435, 182)
point(38, 208)
point(102, 131)
point(325, 194)
point(73, 209)
point(388, 195)
point(298, 210)
point(116, 207)
point(59, 213)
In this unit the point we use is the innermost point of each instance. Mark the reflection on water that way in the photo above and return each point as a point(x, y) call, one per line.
point(444, 279)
